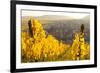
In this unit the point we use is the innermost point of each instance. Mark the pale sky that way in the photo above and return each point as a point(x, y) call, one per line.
point(41, 13)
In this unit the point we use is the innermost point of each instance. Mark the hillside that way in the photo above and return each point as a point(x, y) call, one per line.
point(59, 26)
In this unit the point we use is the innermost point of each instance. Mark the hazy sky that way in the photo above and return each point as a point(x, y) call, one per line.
point(41, 13)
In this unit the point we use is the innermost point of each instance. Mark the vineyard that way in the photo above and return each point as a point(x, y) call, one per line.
point(37, 46)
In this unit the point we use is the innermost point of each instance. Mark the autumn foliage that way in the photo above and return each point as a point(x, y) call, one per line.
point(41, 47)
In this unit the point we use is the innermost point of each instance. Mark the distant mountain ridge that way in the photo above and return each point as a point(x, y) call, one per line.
point(54, 17)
